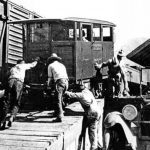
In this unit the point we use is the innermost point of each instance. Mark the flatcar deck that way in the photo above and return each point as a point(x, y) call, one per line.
point(37, 131)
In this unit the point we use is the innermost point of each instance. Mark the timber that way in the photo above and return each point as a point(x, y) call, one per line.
point(35, 130)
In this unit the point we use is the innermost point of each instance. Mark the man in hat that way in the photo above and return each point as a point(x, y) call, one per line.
point(116, 74)
point(15, 86)
point(83, 36)
point(57, 76)
point(92, 113)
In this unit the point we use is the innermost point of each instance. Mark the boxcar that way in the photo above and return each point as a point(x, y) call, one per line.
point(11, 44)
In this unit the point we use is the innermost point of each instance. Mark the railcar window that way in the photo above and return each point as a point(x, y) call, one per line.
point(87, 32)
point(63, 32)
point(96, 32)
point(38, 32)
point(107, 33)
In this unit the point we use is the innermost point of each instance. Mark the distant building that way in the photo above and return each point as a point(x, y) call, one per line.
point(141, 56)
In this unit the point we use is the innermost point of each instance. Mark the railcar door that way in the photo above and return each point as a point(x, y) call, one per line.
point(84, 54)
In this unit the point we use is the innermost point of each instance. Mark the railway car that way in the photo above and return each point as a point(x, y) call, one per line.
point(11, 43)
point(65, 37)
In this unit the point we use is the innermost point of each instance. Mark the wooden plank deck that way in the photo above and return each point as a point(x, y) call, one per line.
point(37, 131)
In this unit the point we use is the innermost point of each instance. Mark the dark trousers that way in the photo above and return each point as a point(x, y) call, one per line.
point(61, 86)
point(115, 86)
point(15, 92)
point(3, 109)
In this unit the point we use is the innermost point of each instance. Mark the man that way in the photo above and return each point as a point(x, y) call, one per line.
point(3, 109)
point(57, 77)
point(116, 75)
point(15, 86)
point(83, 36)
point(92, 113)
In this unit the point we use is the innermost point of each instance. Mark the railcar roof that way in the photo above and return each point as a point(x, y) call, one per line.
point(90, 21)
point(85, 20)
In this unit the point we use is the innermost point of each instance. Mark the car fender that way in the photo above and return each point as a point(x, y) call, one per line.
point(115, 117)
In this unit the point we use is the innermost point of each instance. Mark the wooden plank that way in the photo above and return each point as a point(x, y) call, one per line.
point(15, 30)
point(16, 16)
point(16, 44)
point(13, 38)
point(57, 144)
point(19, 148)
point(37, 131)
point(29, 133)
point(11, 52)
point(13, 58)
point(25, 15)
point(18, 35)
point(27, 138)
point(46, 126)
point(14, 48)
point(72, 134)
point(21, 143)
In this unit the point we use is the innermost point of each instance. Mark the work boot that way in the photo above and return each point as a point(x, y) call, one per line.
point(11, 119)
point(2, 127)
point(58, 120)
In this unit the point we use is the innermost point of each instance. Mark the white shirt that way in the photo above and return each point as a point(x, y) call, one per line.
point(86, 98)
point(56, 70)
point(18, 71)
point(84, 39)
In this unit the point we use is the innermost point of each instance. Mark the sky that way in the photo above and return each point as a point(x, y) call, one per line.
point(130, 16)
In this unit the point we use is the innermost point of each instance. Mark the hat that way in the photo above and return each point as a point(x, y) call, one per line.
point(80, 87)
point(121, 53)
point(54, 57)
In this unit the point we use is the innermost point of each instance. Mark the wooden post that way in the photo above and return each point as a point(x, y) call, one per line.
point(141, 82)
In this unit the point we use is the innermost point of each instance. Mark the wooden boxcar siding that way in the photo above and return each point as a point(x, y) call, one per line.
point(31, 51)
point(84, 60)
point(97, 50)
point(15, 38)
point(65, 50)
point(108, 52)
point(102, 52)
point(37, 49)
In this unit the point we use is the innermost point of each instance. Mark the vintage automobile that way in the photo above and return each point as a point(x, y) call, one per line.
point(127, 122)
point(126, 119)
point(121, 116)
